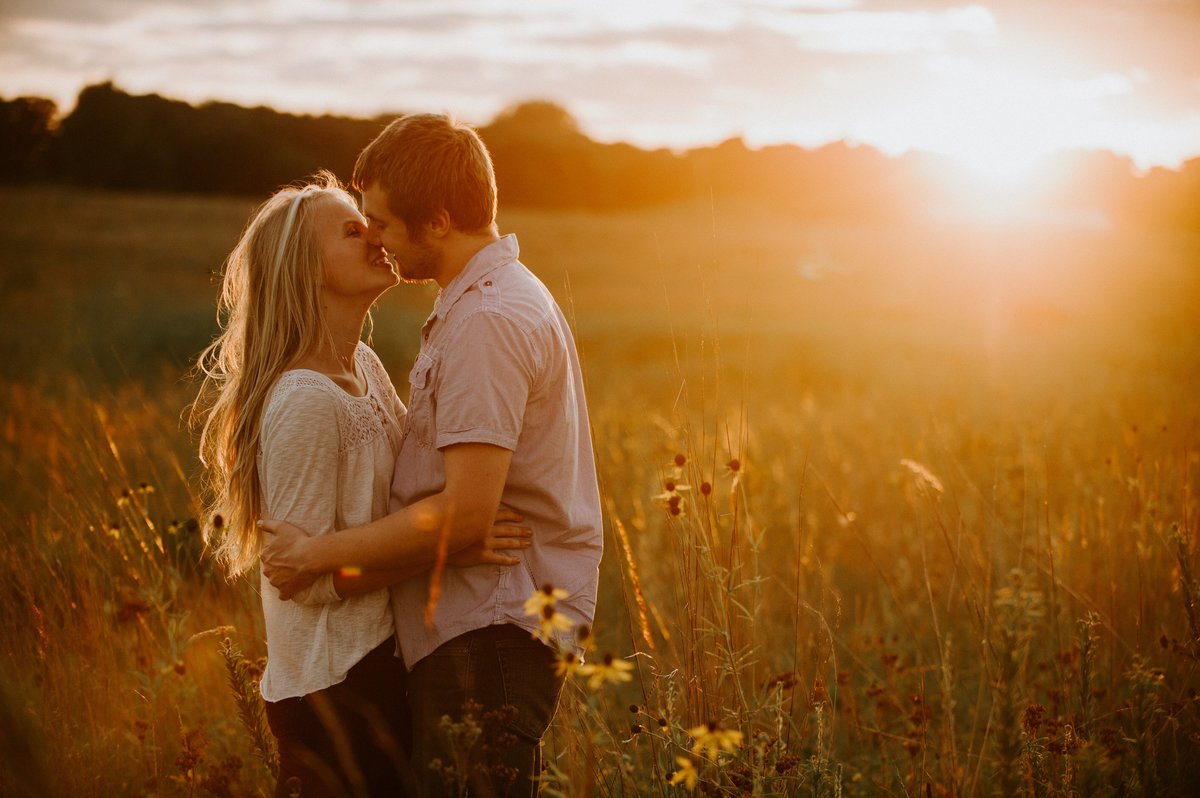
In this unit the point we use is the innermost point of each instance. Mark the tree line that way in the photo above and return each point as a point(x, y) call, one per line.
point(114, 140)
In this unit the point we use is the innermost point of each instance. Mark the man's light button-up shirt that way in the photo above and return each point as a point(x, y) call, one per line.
point(498, 365)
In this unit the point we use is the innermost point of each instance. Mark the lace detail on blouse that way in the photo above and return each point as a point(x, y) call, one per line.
point(361, 419)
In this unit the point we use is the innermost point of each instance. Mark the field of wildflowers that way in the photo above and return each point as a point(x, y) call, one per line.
point(887, 512)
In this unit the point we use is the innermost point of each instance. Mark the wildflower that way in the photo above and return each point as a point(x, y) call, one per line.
point(546, 597)
point(583, 637)
point(705, 488)
point(551, 623)
point(734, 465)
point(145, 488)
point(610, 669)
point(680, 460)
point(711, 737)
point(125, 498)
point(670, 498)
point(686, 775)
point(568, 664)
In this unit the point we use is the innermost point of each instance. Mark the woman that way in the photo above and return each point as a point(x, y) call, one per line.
point(304, 425)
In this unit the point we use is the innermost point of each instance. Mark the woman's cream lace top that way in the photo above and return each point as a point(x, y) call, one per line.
point(325, 463)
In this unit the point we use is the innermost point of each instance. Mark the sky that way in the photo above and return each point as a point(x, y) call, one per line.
point(996, 84)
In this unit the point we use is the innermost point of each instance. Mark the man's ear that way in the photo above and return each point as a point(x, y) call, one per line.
point(440, 225)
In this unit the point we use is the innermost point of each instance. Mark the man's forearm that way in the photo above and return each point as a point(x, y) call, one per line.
point(406, 539)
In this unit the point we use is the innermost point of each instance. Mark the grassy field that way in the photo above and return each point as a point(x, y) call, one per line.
point(888, 510)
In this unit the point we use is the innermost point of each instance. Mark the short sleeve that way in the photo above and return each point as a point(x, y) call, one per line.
point(487, 371)
point(299, 467)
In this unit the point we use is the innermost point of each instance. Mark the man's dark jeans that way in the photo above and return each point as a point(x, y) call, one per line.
point(511, 675)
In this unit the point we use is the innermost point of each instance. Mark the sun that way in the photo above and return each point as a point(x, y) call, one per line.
point(998, 120)
point(995, 123)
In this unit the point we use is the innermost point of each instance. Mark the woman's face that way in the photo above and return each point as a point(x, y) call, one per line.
point(354, 268)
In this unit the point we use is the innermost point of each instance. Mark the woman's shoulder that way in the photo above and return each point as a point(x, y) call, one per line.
point(300, 390)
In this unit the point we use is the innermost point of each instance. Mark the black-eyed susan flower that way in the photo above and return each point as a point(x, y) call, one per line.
point(711, 737)
point(671, 498)
point(687, 774)
point(584, 638)
point(568, 664)
point(125, 498)
point(546, 597)
point(608, 669)
point(551, 623)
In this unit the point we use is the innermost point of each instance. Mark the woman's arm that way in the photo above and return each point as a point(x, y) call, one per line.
point(299, 470)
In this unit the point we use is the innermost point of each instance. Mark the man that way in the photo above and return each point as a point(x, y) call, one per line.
point(496, 416)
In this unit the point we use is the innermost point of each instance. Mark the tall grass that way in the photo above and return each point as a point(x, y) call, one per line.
point(872, 541)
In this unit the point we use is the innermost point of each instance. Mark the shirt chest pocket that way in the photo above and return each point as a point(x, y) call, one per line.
point(422, 404)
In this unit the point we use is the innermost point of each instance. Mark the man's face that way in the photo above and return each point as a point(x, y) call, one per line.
point(416, 257)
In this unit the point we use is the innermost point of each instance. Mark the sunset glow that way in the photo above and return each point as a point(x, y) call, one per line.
point(996, 85)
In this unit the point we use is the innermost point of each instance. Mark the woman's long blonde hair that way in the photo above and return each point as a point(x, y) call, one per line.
point(270, 315)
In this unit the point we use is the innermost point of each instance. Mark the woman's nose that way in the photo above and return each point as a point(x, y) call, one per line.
point(373, 236)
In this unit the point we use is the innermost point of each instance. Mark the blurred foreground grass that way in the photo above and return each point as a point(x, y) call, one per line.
point(933, 530)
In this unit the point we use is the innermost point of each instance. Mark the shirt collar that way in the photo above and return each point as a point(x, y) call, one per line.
point(493, 256)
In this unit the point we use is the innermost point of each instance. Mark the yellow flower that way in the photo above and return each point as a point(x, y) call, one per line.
point(610, 669)
point(551, 623)
point(567, 664)
point(710, 738)
point(584, 637)
point(546, 597)
point(686, 775)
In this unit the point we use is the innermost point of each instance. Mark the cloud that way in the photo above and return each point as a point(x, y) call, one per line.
point(675, 72)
